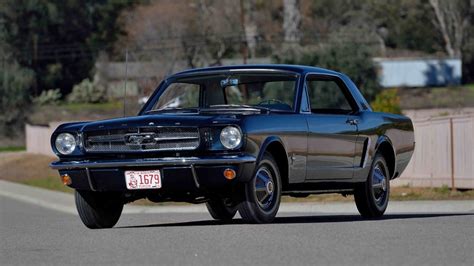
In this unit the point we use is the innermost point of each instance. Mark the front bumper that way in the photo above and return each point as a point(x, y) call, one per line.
point(185, 174)
point(171, 161)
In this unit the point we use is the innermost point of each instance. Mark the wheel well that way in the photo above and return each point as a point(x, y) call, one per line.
point(386, 150)
point(278, 152)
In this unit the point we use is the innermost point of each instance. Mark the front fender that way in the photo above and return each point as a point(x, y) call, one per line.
point(269, 140)
point(385, 146)
point(380, 140)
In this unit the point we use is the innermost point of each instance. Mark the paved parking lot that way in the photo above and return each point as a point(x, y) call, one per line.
point(33, 234)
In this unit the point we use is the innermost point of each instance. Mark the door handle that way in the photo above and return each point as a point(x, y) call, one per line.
point(352, 121)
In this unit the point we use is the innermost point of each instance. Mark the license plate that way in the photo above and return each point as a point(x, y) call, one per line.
point(150, 179)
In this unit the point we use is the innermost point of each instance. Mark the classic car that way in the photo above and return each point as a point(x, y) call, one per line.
point(237, 138)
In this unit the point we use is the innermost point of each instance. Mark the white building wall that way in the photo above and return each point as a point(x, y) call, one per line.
point(418, 72)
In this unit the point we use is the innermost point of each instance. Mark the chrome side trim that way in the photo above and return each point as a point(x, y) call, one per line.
point(89, 179)
point(322, 191)
point(366, 156)
point(170, 161)
point(193, 171)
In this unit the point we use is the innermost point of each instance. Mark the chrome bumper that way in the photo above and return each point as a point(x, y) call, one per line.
point(171, 161)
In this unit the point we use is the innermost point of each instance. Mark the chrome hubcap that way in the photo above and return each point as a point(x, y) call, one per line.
point(264, 187)
point(379, 184)
point(269, 187)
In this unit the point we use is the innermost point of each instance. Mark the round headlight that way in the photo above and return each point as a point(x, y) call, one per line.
point(65, 143)
point(231, 137)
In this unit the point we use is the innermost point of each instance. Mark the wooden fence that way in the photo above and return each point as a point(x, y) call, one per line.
point(444, 151)
point(38, 138)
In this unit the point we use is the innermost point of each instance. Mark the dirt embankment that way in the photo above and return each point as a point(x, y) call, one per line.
point(18, 166)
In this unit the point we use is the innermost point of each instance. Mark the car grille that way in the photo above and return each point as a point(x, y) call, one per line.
point(142, 139)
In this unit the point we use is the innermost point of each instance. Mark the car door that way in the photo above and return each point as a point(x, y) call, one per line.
point(332, 129)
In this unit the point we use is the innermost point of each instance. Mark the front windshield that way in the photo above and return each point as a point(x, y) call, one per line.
point(269, 90)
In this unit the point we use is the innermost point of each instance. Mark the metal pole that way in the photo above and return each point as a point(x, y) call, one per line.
point(453, 188)
point(126, 79)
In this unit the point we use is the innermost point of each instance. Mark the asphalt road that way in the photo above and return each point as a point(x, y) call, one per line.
point(33, 235)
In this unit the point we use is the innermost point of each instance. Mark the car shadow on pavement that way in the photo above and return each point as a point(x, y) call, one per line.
point(305, 220)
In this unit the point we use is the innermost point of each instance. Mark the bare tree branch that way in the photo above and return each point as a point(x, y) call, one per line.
point(452, 21)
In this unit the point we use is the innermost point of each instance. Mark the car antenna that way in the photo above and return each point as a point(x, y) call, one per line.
point(126, 79)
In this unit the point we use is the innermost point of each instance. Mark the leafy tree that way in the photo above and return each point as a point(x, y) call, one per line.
point(396, 24)
point(351, 59)
point(60, 40)
point(468, 55)
point(14, 97)
point(405, 24)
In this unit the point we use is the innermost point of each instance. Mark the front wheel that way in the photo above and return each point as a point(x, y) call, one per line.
point(220, 211)
point(371, 197)
point(262, 194)
point(98, 209)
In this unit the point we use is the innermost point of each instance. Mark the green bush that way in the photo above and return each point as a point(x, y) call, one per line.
point(48, 97)
point(15, 83)
point(352, 59)
point(387, 101)
point(87, 92)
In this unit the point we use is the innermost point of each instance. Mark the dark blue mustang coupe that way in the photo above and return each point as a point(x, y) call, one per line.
point(237, 138)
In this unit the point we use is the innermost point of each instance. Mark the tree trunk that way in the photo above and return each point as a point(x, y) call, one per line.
point(291, 20)
point(249, 26)
point(451, 24)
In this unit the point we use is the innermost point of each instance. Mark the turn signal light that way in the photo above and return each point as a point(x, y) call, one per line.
point(66, 179)
point(229, 174)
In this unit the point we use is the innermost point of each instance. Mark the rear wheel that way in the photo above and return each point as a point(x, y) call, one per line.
point(372, 196)
point(219, 210)
point(262, 194)
point(98, 209)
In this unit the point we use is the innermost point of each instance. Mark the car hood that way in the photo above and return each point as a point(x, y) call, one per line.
point(188, 120)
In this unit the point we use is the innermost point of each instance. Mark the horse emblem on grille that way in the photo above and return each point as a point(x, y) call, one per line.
point(140, 139)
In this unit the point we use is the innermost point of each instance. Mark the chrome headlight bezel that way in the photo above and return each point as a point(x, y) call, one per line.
point(231, 137)
point(65, 143)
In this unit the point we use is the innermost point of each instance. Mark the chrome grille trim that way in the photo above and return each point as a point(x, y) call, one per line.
point(142, 139)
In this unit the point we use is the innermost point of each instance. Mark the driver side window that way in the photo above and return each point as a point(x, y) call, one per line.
point(327, 96)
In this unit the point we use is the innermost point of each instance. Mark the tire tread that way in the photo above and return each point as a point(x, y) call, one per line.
point(248, 209)
point(219, 211)
point(92, 211)
point(362, 195)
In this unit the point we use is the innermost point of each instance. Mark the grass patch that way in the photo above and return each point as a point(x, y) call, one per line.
point(49, 182)
point(30, 169)
point(442, 193)
point(12, 149)
point(43, 115)
point(442, 97)
point(78, 107)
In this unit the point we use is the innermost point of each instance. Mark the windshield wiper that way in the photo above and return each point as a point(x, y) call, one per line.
point(239, 106)
point(173, 109)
